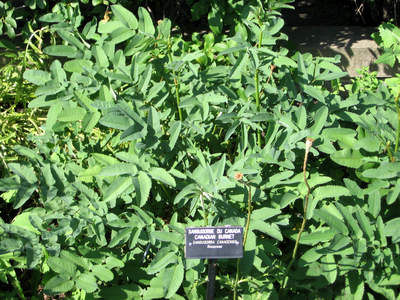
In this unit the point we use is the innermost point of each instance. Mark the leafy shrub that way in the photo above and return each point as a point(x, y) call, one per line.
point(144, 135)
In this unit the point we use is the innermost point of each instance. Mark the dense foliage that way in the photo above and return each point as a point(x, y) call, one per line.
point(146, 133)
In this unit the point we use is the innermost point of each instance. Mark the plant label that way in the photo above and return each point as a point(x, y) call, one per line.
point(214, 242)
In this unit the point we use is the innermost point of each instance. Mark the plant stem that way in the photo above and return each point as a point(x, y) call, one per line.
point(309, 142)
point(396, 101)
point(258, 105)
point(257, 84)
point(391, 157)
point(246, 231)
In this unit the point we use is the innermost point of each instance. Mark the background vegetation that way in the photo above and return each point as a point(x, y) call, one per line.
point(118, 132)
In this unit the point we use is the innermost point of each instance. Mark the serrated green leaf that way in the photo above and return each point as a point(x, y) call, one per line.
point(10, 245)
point(74, 258)
point(173, 278)
point(145, 21)
point(88, 175)
point(394, 193)
point(71, 39)
point(24, 193)
point(355, 285)
point(339, 244)
point(72, 114)
point(231, 130)
point(125, 16)
point(7, 184)
point(303, 76)
point(269, 228)
point(329, 191)
point(153, 122)
point(329, 268)
point(85, 102)
point(288, 198)
point(142, 185)
point(333, 222)
point(345, 135)
point(313, 92)
point(102, 273)
point(350, 220)
point(60, 50)
point(128, 291)
point(380, 231)
point(330, 75)
point(125, 78)
point(58, 285)
point(320, 119)
point(118, 187)
point(145, 80)
point(100, 56)
point(174, 132)
point(163, 258)
point(86, 282)
point(24, 220)
point(169, 237)
point(348, 158)
point(374, 203)
point(155, 89)
point(239, 65)
point(33, 248)
point(116, 122)
point(121, 34)
point(365, 224)
point(215, 21)
point(90, 121)
point(316, 237)
point(392, 226)
point(162, 175)
point(121, 237)
point(311, 255)
point(62, 266)
point(264, 213)
point(52, 18)
point(186, 192)
point(384, 171)
point(37, 77)
point(105, 160)
point(370, 144)
point(119, 169)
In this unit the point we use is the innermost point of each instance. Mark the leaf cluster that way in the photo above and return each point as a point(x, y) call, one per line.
point(143, 137)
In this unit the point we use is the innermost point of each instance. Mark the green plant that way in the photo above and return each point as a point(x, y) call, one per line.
point(144, 137)
point(233, 13)
point(389, 39)
point(17, 121)
point(367, 81)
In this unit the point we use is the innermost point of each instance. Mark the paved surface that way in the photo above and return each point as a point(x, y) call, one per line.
point(354, 44)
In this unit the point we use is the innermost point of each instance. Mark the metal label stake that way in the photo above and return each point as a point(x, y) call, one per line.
point(212, 269)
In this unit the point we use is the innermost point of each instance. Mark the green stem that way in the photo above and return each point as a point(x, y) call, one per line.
point(396, 101)
point(391, 157)
point(284, 281)
point(178, 100)
point(257, 84)
point(244, 242)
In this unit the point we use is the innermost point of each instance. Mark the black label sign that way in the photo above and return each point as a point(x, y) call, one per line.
point(214, 242)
